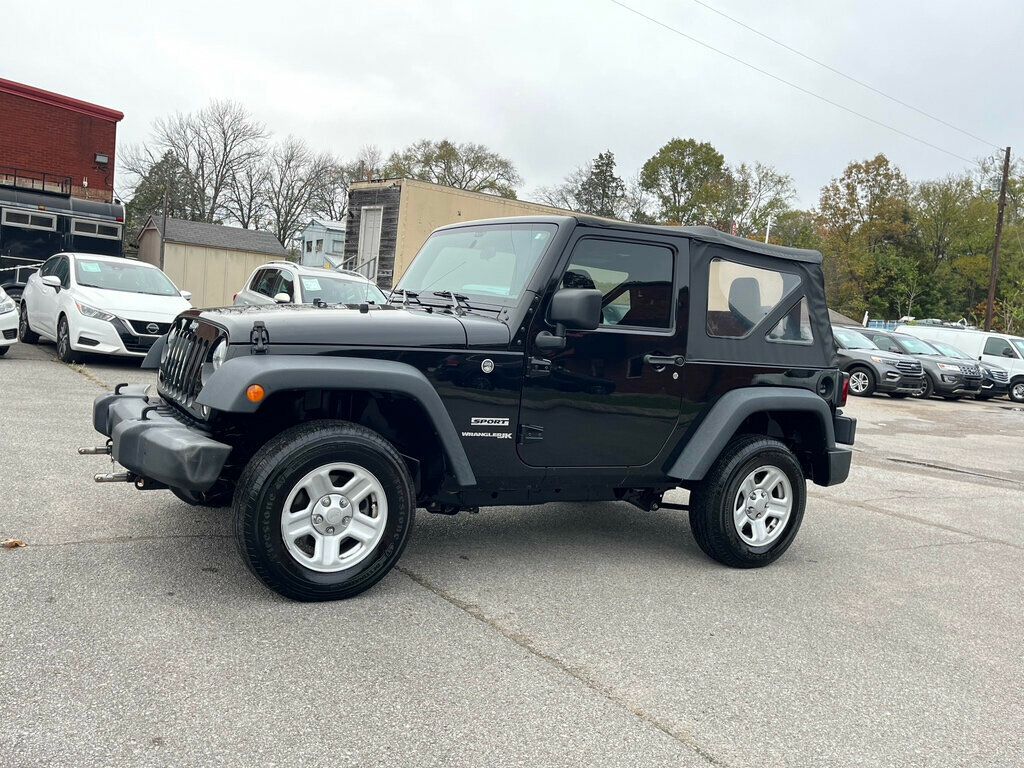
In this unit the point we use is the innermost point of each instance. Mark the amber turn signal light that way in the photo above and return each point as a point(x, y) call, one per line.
point(255, 393)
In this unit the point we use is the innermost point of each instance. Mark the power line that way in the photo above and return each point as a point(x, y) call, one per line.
point(852, 79)
point(791, 84)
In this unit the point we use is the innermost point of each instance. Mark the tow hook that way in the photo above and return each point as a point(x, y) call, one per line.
point(114, 477)
point(100, 450)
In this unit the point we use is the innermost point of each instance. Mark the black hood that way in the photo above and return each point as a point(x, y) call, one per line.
point(381, 326)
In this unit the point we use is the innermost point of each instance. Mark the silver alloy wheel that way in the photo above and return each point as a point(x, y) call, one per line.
point(763, 505)
point(334, 517)
point(63, 340)
point(1018, 392)
point(859, 382)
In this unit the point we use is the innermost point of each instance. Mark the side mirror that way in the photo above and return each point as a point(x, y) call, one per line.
point(1008, 353)
point(283, 298)
point(571, 309)
point(186, 295)
point(52, 281)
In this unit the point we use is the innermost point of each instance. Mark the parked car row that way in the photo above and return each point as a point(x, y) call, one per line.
point(924, 361)
point(90, 303)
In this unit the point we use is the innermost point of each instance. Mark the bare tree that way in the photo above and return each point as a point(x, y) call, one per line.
point(756, 194)
point(246, 199)
point(368, 165)
point(215, 145)
point(331, 198)
point(297, 177)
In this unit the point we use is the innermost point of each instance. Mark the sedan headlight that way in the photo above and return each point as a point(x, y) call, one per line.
point(948, 367)
point(95, 314)
point(7, 305)
point(220, 354)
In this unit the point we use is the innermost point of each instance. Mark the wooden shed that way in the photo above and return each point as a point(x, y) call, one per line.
point(210, 260)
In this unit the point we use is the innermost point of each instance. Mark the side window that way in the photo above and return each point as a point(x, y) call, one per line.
point(739, 296)
point(884, 342)
point(635, 278)
point(795, 326)
point(287, 285)
point(266, 281)
point(998, 347)
point(63, 271)
point(49, 267)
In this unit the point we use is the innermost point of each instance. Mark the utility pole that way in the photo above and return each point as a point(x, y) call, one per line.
point(994, 275)
point(163, 230)
point(768, 229)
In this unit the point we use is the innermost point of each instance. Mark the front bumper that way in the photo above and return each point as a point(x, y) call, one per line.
point(957, 384)
point(8, 328)
point(148, 440)
point(113, 337)
point(896, 381)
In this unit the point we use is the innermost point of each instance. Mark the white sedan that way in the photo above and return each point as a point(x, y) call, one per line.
point(8, 322)
point(104, 304)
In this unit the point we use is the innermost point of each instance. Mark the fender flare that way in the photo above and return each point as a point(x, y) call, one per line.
point(714, 432)
point(225, 390)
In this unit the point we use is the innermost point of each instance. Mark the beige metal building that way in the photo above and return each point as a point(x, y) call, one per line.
point(389, 219)
point(210, 260)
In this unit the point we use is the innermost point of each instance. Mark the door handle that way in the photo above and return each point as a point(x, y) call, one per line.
point(662, 360)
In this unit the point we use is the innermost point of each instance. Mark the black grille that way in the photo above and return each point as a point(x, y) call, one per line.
point(133, 342)
point(145, 327)
point(11, 333)
point(188, 347)
point(908, 366)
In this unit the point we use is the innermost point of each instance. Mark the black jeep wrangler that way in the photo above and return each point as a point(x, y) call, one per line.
point(519, 361)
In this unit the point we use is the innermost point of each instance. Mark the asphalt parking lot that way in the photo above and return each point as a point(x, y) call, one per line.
point(131, 634)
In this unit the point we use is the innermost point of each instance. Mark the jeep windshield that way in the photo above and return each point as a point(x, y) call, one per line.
point(489, 263)
point(852, 339)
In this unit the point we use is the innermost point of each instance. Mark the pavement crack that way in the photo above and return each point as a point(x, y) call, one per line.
point(578, 674)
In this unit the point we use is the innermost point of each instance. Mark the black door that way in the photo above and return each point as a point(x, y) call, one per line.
point(598, 402)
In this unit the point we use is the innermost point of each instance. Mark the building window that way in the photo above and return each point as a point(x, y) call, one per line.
point(309, 246)
point(319, 246)
point(29, 220)
point(95, 229)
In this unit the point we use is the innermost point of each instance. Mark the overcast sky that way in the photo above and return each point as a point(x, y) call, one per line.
point(549, 83)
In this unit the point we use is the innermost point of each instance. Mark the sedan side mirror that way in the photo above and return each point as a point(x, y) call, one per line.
point(186, 295)
point(283, 298)
point(571, 309)
point(52, 281)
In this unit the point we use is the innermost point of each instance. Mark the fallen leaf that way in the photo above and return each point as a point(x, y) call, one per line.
point(12, 544)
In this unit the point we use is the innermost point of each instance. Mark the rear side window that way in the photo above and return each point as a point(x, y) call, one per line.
point(740, 296)
point(998, 347)
point(635, 279)
point(795, 326)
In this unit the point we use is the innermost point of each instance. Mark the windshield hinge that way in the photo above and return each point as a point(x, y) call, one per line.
point(259, 339)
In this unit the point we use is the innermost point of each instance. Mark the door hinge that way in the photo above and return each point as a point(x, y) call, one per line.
point(528, 433)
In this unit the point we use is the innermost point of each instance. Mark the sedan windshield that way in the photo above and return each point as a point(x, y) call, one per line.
point(852, 339)
point(127, 276)
point(489, 262)
point(915, 346)
point(339, 290)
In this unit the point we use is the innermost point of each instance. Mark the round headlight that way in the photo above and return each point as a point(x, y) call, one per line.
point(220, 354)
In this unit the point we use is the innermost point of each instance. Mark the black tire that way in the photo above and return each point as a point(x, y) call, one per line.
point(711, 503)
point(1016, 391)
point(899, 395)
point(268, 478)
point(64, 350)
point(3, 349)
point(952, 398)
point(927, 390)
point(25, 333)
point(868, 387)
point(212, 499)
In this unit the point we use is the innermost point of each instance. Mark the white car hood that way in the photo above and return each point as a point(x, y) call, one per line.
point(133, 306)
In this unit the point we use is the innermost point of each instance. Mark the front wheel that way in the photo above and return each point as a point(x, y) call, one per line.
point(324, 510)
point(25, 333)
point(862, 382)
point(64, 350)
point(3, 349)
point(748, 509)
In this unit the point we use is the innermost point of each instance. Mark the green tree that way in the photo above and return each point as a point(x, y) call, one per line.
point(602, 192)
point(166, 175)
point(468, 166)
point(689, 181)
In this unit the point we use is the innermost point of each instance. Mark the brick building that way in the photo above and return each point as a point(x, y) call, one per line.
point(56, 143)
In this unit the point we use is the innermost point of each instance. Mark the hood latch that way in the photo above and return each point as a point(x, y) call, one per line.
point(259, 338)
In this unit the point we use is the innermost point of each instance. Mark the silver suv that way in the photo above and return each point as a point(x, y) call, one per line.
point(283, 282)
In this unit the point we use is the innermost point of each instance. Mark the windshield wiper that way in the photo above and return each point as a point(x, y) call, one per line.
point(459, 300)
point(406, 295)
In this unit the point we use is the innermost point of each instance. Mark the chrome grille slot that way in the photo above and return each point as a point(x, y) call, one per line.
point(908, 366)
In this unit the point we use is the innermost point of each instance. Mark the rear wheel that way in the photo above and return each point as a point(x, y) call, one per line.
point(324, 510)
point(862, 381)
point(1017, 391)
point(25, 333)
point(64, 350)
point(748, 509)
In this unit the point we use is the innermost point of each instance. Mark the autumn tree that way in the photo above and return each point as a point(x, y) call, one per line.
point(468, 166)
point(689, 181)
